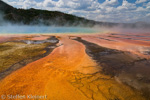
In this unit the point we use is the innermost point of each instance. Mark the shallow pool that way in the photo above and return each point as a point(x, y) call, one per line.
point(44, 29)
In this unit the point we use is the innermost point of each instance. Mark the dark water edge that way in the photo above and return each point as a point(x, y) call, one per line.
point(128, 68)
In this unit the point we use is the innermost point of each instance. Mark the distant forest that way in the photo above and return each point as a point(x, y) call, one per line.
point(43, 17)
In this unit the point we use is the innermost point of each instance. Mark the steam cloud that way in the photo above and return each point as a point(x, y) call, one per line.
point(7, 27)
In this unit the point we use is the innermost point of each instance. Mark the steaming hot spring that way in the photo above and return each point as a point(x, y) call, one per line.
point(51, 55)
point(63, 62)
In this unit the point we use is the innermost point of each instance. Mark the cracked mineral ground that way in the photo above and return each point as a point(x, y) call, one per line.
point(75, 67)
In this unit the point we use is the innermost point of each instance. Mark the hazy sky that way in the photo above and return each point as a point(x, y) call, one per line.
point(99, 10)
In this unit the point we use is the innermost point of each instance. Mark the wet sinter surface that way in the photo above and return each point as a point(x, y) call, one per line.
point(67, 73)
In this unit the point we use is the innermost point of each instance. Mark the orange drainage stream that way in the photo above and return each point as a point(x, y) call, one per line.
point(68, 73)
point(48, 76)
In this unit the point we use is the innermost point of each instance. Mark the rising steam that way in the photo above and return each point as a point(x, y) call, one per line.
point(7, 27)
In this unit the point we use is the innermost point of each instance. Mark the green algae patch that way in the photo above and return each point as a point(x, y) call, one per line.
point(14, 52)
point(5, 47)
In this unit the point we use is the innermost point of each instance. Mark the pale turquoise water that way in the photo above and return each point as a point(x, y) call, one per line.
point(44, 29)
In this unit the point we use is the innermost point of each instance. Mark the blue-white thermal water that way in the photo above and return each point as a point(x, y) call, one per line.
point(44, 29)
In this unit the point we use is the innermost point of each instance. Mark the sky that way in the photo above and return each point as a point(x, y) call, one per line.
point(120, 11)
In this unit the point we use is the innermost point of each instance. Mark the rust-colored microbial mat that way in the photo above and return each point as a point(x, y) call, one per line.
point(79, 67)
